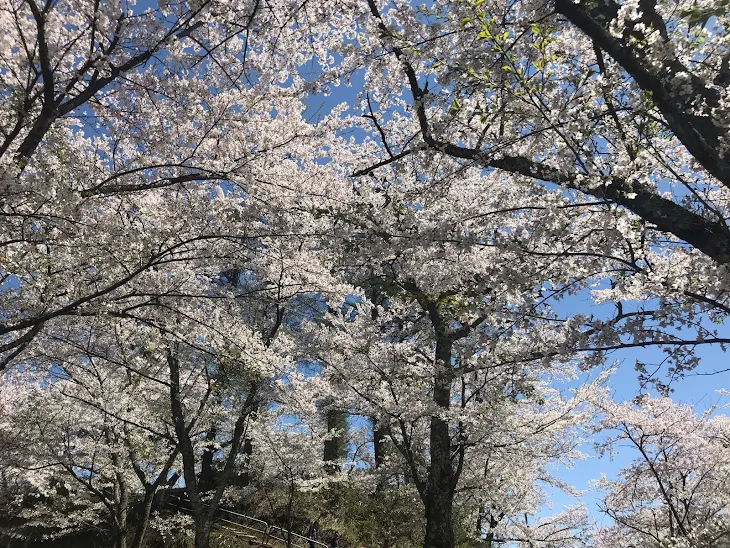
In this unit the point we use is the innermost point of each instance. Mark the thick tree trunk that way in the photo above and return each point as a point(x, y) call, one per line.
point(439, 496)
point(206, 481)
point(120, 538)
point(199, 509)
point(202, 532)
point(144, 518)
point(382, 448)
point(120, 541)
point(335, 449)
point(380, 443)
point(247, 452)
point(121, 502)
point(120, 533)
point(247, 449)
point(439, 517)
point(150, 491)
point(204, 512)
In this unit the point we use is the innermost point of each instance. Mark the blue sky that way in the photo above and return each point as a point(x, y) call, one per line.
point(698, 389)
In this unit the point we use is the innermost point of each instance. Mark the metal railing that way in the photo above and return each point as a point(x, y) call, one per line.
point(267, 532)
point(301, 541)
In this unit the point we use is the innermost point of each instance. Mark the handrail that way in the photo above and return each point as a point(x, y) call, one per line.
point(283, 537)
point(241, 526)
point(267, 529)
point(233, 530)
point(266, 525)
point(308, 541)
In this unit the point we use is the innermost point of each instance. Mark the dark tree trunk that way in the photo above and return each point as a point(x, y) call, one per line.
point(204, 512)
point(206, 480)
point(247, 452)
point(120, 528)
point(144, 518)
point(199, 510)
point(120, 539)
point(121, 500)
point(380, 443)
point(335, 449)
point(486, 515)
point(202, 532)
point(150, 491)
point(439, 496)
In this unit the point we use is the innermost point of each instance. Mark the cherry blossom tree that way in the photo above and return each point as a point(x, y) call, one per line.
point(289, 458)
point(130, 412)
point(89, 443)
point(675, 491)
point(141, 149)
point(607, 98)
point(211, 367)
point(515, 89)
point(455, 360)
point(174, 216)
